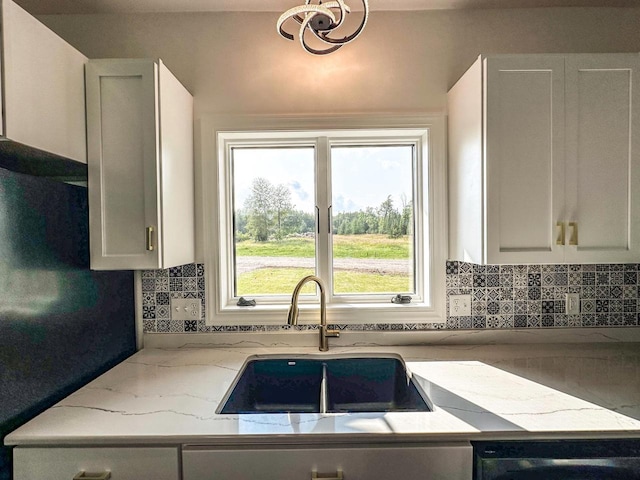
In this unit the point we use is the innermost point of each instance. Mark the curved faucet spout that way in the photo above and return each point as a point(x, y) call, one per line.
point(292, 315)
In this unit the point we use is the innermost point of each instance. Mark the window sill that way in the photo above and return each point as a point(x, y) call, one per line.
point(336, 314)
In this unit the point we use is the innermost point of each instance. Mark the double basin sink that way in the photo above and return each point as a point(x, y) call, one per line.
point(323, 384)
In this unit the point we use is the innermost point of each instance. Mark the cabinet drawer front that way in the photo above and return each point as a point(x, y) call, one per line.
point(122, 463)
point(438, 462)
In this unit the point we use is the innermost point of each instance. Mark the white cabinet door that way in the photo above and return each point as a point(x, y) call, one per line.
point(122, 463)
point(43, 87)
point(466, 168)
point(603, 158)
point(140, 159)
point(177, 171)
point(410, 462)
point(524, 158)
point(122, 132)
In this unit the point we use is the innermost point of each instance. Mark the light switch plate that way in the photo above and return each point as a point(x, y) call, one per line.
point(186, 308)
point(572, 303)
point(460, 305)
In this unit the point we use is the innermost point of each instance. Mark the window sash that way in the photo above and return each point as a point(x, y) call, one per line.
point(323, 198)
point(227, 256)
point(417, 189)
point(233, 148)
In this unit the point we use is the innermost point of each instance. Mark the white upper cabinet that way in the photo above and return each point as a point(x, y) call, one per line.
point(140, 159)
point(543, 160)
point(42, 87)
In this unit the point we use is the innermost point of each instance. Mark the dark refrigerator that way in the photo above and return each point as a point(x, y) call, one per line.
point(61, 324)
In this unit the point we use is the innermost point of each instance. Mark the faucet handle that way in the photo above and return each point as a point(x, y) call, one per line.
point(325, 333)
point(332, 333)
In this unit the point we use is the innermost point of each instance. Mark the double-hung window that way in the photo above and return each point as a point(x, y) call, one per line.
point(361, 208)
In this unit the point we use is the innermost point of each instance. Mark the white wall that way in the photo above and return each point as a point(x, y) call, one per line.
point(403, 61)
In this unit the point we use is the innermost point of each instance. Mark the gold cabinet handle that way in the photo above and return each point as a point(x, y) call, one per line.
point(327, 476)
point(560, 239)
point(150, 239)
point(574, 233)
point(92, 476)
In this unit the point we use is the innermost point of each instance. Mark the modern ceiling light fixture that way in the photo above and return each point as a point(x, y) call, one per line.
point(321, 20)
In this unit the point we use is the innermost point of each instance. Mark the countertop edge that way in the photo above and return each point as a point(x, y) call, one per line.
point(335, 439)
point(395, 338)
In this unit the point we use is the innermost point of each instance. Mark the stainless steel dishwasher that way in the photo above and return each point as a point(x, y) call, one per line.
point(557, 460)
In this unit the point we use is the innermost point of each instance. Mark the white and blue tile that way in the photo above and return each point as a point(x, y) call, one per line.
point(503, 296)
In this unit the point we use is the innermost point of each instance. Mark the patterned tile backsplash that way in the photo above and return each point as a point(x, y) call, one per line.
point(502, 296)
point(532, 296)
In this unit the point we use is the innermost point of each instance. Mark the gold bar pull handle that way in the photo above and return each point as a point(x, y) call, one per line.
point(327, 476)
point(560, 239)
point(150, 239)
point(574, 233)
point(92, 476)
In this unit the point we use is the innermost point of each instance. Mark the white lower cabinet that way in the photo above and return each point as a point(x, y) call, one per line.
point(134, 463)
point(406, 461)
point(452, 461)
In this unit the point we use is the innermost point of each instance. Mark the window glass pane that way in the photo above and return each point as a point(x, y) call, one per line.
point(372, 205)
point(274, 219)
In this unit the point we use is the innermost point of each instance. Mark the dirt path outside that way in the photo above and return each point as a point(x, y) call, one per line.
point(368, 265)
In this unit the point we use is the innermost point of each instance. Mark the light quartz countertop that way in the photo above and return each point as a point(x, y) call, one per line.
point(479, 392)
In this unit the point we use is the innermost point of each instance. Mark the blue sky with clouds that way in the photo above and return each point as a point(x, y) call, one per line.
point(361, 176)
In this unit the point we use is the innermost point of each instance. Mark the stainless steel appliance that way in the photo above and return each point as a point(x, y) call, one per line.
point(557, 460)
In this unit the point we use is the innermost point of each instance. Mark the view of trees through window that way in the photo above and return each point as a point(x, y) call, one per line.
point(269, 214)
point(275, 220)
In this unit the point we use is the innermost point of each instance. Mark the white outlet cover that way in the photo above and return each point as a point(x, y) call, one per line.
point(186, 308)
point(572, 303)
point(459, 305)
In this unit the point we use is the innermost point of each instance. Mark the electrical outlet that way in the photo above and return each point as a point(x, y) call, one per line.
point(572, 303)
point(460, 305)
point(186, 308)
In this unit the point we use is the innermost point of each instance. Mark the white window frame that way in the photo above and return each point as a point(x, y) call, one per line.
point(219, 133)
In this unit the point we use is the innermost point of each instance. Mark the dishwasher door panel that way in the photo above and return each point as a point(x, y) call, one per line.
point(558, 460)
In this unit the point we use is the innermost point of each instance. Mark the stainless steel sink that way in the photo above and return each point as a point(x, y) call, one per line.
point(324, 384)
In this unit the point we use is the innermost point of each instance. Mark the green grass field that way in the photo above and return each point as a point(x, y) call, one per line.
point(344, 246)
point(283, 280)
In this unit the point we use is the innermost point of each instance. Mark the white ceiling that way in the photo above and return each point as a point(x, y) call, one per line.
point(47, 7)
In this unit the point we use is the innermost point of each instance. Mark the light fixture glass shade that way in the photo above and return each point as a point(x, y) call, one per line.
point(321, 20)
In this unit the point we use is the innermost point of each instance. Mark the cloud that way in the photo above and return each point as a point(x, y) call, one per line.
point(298, 189)
point(299, 192)
point(341, 204)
